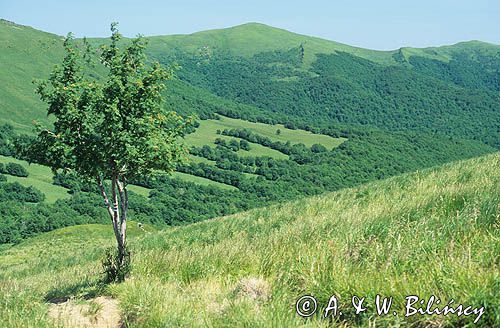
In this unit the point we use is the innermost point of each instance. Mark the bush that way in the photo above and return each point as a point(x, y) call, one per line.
point(3, 178)
point(17, 192)
point(74, 183)
point(245, 145)
point(16, 170)
point(113, 272)
point(318, 148)
point(6, 135)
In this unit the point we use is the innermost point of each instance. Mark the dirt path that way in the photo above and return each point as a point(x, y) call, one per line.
point(100, 312)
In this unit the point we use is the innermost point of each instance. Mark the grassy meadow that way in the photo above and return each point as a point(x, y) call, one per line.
point(206, 133)
point(201, 180)
point(39, 177)
point(432, 232)
point(208, 129)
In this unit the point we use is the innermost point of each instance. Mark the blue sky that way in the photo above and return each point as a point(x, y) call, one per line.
point(371, 24)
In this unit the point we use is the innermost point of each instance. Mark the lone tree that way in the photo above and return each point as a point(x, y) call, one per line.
point(110, 128)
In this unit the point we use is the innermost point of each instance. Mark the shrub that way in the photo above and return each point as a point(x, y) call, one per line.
point(318, 148)
point(245, 145)
point(17, 192)
point(113, 271)
point(16, 170)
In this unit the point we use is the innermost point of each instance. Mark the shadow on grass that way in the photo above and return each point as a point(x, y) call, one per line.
point(84, 290)
point(93, 286)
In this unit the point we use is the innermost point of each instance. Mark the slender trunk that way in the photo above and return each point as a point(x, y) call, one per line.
point(117, 210)
point(122, 191)
point(119, 218)
point(116, 217)
point(108, 206)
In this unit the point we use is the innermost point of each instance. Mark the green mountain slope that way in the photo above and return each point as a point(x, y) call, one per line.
point(28, 53)
point(253, 38)
point(25, 54)
point(361, 115)
point(427, 233)
point(458, 98)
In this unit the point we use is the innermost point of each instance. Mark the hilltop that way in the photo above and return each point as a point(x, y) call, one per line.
point(29, 54)
point(431, 232)
point(252, 38)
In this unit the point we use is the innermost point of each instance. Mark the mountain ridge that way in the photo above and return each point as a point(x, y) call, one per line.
point(269, 27)
point(29, 53)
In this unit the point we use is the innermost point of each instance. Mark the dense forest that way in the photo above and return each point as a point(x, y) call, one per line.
point(458, 98)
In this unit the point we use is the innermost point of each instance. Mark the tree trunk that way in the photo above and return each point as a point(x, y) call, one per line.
point(117, 210)
point(122, 191)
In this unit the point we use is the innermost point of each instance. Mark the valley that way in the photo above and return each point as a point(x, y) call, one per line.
point(274, 121)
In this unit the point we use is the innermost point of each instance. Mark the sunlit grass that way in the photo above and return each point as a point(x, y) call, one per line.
point(207, 133)
point(429, 232)
point(201, 180)
point(39, 177)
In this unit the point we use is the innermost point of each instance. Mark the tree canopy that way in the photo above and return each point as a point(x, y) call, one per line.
point(110, 128)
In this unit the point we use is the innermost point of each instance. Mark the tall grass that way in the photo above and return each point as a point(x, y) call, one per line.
point(433, 232)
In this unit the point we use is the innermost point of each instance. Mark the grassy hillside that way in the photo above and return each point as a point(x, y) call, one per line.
point(201, 181)
point(39, 177)
point(284, 135)
point(253, 38)
point(26, 54)
point(206, 134)
point(431, 232)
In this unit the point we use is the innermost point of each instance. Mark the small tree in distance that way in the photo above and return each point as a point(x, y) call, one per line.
point(111, 128)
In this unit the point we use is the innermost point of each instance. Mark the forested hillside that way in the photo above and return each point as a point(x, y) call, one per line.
point(459, 98)
point(280, 116)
